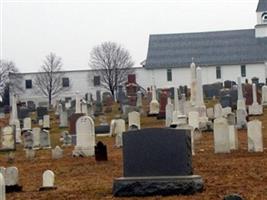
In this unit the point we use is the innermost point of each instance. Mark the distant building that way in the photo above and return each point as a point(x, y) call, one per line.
point(222, 55)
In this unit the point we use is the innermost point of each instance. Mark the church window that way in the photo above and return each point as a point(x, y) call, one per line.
point(218, 72)
point(169, 74)
point(243, 70)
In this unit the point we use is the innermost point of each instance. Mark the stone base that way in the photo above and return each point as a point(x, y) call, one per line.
point(47, 188)
point(13, 188)
point(162, 185)
point(255, 109)
point(152, 114)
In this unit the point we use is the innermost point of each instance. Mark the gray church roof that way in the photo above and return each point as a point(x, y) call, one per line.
point(207, 49)
point(262, 6)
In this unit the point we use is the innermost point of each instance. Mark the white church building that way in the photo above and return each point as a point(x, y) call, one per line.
point(222, 55)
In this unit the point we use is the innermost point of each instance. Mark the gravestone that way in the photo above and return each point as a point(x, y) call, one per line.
point(63, 119)
point(134, 119)
point(131, 89)
point(193, 119)
point(255, 143)
point(101, 152)
point(264, 95)
point(139, 103)
point(163, 103)
point(2, 187)
point(226, 111)
point(46, 122)
point(57, 153)
point(12, 180)
point(255, 108)
point(118, 131)
point(169, 110)
point(23, 112)
point(240, 101)
point(45, 139)
point(218, 110)
point(8, 141)
point(31, 106)
point(154, 104)
point(85, 131)
point(28, 139)
point(165, 167)
point(233, 137)
point(241, 121)
point(210, 113)
point(48, 180)
point(248, 94)
point(193, 84)
point(221, 136)
point(18, 131)
point(36, 137)
point(67, 139)
point(27, 124)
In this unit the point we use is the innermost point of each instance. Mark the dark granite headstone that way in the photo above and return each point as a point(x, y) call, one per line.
point(31, 106)
point(226, 101)
point(157, 161)
point(23, 112)
point(101, 152)
point(163, 102)
point(102, 129)
point(255, 80)
point(168, 152)
point(229, 84)
point(233, 197)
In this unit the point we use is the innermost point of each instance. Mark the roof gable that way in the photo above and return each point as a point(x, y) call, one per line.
point(262, 6)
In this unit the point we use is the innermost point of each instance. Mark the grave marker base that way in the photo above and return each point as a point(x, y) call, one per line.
point(159, 185)
point(13, 188)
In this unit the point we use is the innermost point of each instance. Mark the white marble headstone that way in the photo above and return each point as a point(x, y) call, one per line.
point(134, 119)
point(36, 137)
point(221, 136)
point(57, 153)
point(2, 187)
point(255, 143)
point(48, 178)
point(27, 123)
point(11, 176)
point(193, 119)
point(233, 137)
point(8, 140)
point(119, 129)
point(46, 121)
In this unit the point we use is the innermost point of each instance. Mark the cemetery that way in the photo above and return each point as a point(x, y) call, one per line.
point(162, 143)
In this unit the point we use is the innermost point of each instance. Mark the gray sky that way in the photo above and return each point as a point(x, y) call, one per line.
point(29, 30)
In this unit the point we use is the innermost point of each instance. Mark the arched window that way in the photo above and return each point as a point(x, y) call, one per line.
point(264, 17)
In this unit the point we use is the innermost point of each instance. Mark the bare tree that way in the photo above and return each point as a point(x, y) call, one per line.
point(10, 80)
point(49, 80)
point(112, 63)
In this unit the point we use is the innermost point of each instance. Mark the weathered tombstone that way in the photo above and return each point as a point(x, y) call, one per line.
point(23, 112)
point(67, 139)
point(31, 106)
point(193, 86)
point(163, 103)
point(255, 143)
point(85, 131)
point(193, 119)
point(45, 139)
point(199, 91)
point(139, 103)
point(226, 111)
point(241, 121)
point(28, 139)
point(240, 101)
point(233, 137)
point(255, 108)
point(134, 119)
point(264, 95)
point(164, 168)
point(8, 141)
point(231, 119)
point(46, 122)
point(78, 103)
point(226, 101)
point(57, 153)
point(221, 136)
point(101, 152)
point(2, 187)
point(154, 104)
point(12, 179)
point(27, 124)
point(169, 110)
point(18, 131)
point(40, 122)
point(48, 180)
point(36, 137)
point(63, 119)
point(118, 131)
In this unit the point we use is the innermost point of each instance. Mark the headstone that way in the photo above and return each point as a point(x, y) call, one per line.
point(28, 139)
point(40, 122)
point(85, 131)
point(193, 84)
point(101, 152)
point(264, 95)
point(14, 113)
point(131, 89)
point(193, 119)
point(119, 129)
point(2, 187)
point(27, 124)
point(154, 104)
point(226, 111)
point(12, 180)
point(240, 101)
point(210, 113)
point(46, 122)
point(221, 136)
point(63, 119)
point(134, 119)
point(78, 103)
point(231, 119)
point(158, 159)
point(248, 94)
point(18, 131)
point(72, 122)
point(139, 103)
point(8, 138)
point(255, 108)
point(233, 137)
point(67, 139)
point(199, 92)
point(36, 137)
point(57, 153)
point(255, 143)
point(163, 103)
point(169, 112)
point(45, 139)
point(218, 110)
point(48, 180)
point(241, 121)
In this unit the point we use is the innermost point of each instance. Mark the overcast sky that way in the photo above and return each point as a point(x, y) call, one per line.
point(31, 29)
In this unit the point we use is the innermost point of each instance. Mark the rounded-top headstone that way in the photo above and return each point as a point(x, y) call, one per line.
point(48, 178)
